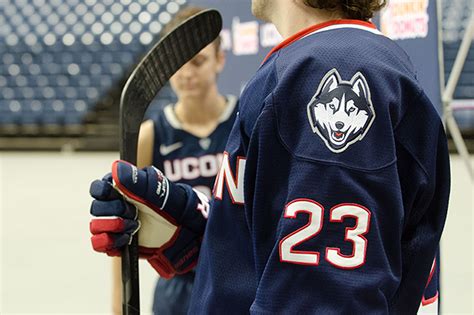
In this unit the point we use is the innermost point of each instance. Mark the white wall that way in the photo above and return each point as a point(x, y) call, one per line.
point(48, 266)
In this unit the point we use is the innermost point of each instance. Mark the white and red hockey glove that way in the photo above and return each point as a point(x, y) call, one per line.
point(170, 220)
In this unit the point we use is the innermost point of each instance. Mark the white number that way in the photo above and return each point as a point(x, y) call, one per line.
point(315, 223)
point(354, 234)
point(315, 212)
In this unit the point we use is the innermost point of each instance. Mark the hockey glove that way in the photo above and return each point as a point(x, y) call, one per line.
point(170, 218)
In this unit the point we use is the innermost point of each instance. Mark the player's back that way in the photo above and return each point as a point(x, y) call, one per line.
point(333, 191)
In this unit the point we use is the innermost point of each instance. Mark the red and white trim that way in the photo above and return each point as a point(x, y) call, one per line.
point(322, 27)
point(432, 271)
point(429, 306)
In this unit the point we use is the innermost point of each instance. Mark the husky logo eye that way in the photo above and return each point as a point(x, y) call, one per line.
point(341, 112)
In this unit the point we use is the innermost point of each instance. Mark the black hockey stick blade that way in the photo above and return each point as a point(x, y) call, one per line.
point(150, 75)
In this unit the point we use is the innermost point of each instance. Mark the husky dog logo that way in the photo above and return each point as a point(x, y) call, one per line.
point(341, 112)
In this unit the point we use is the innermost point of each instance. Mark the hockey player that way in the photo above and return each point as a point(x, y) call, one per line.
point(333, 190)
point(186, 140)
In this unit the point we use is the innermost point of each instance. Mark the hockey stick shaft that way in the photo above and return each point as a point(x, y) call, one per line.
point(150, 75)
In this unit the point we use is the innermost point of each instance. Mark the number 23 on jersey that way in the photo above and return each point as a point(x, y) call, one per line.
point(333, 255)
point(315, 213)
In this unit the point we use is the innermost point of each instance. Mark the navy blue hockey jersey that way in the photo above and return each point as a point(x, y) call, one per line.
point(431, 296)
point(186, 158)
point(333, 190)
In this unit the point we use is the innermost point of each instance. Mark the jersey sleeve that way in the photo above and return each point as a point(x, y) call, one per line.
point(345, 215)
point(431, 296)
point(423, 144)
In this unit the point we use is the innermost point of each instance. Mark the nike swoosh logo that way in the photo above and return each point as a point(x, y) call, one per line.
point(167, 149)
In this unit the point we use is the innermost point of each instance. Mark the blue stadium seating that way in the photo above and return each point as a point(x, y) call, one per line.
point(73, 53)
point(59, 58)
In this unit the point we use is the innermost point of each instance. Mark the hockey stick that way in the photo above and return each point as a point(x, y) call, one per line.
point(150, 75)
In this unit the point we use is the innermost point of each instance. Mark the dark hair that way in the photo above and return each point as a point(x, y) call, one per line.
point(183, 15)
point(352, 9)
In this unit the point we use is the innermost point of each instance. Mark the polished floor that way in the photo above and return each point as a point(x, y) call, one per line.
point(48, 267)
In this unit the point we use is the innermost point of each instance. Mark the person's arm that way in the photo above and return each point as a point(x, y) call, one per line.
point(425, 145)
point(144, 158)
point(355, 217)
point(145, 144)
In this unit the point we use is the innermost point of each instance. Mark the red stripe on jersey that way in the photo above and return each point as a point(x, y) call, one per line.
point(433, 269)
point(430, 300)
point(314, 28)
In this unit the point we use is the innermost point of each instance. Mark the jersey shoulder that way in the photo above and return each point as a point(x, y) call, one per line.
point(340, 94)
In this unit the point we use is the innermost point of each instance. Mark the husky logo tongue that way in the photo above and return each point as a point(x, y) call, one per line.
point(341, 112)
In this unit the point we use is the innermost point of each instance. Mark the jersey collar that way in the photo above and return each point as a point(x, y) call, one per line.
point(173, 120)
point(326, 26)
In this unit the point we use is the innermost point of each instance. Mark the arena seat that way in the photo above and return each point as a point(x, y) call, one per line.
point(61, 58)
